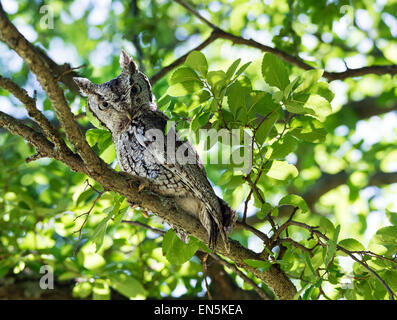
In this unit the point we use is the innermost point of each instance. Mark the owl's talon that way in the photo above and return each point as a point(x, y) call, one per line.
point(142, 186)
point(132, 205)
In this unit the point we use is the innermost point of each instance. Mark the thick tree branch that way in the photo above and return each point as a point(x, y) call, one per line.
point(16, 41)
point(367, 107)
point(63, 73)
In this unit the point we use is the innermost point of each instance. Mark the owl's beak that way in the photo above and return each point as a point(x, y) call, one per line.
point(129, 116)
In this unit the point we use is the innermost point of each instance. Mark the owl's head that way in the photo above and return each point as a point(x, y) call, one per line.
point(118, 101)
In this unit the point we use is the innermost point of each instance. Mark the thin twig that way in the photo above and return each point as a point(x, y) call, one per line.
point(67, 71)
point(37, 116)
point(350, 254)
point(145, 226)
point(195, 13)
point(204, 261)
point(87, 214)
point(157, 76)
point(258, 233)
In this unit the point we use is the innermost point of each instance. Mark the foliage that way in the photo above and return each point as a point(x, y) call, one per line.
point(302, 137)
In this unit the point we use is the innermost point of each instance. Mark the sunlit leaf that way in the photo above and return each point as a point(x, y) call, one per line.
point(274, 71)
point(175, 250)
point(282, 170)
point(197, 61)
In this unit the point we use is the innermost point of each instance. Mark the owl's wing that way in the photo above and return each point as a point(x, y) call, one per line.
point(191, 172)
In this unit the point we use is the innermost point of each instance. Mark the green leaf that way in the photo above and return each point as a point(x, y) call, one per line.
point(314, 105)
point(331, 248)
point(93, 261)
point(232, 69)
point(197, 61)
point(241, 70)
point(309, 263)
point(128, 286)
point(260, 264)
point(282, 170)
point(265, 127)
point(351, 244)
point(216, 79)
point(274, 212)
point(182, 75)
point(184, 81)
point(309, 77)
point(82, 289)
point(175, 250)
point(318, 106)
point(164, 101)
point(236, 97)
point(94, 121)
point(99, 234)
point(322, 89)
point(392, 216)
point(265, 209)
point(95, 135)
point(283, 147)
point(184, 88)
point(109, 154)
point(101, 290)
point(327, 226)
point(384, 241)
point(264, 105)
point(295, 201)
point(308, 129)
point(291, 87)
point(274, 71)
point(295, 103)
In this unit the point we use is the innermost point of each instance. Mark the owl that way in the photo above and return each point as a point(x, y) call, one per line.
point(126, 106)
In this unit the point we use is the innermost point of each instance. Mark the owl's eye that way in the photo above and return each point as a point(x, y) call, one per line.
point(103, 105)
point(135, 89)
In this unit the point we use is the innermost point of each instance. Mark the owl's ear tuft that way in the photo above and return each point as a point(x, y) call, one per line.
point(86, 86)
point(126, 63)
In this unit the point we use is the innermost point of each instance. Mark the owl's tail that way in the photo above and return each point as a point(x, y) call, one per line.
point(229, 217)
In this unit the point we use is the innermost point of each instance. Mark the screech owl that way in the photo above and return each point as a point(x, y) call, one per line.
point(125, 106)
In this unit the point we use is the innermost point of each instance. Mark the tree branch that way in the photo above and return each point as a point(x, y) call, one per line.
point(296, 61)
point(44, 147)
point(16, 41)
point(38, 117)
point(157, 76)
point(366, 108)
